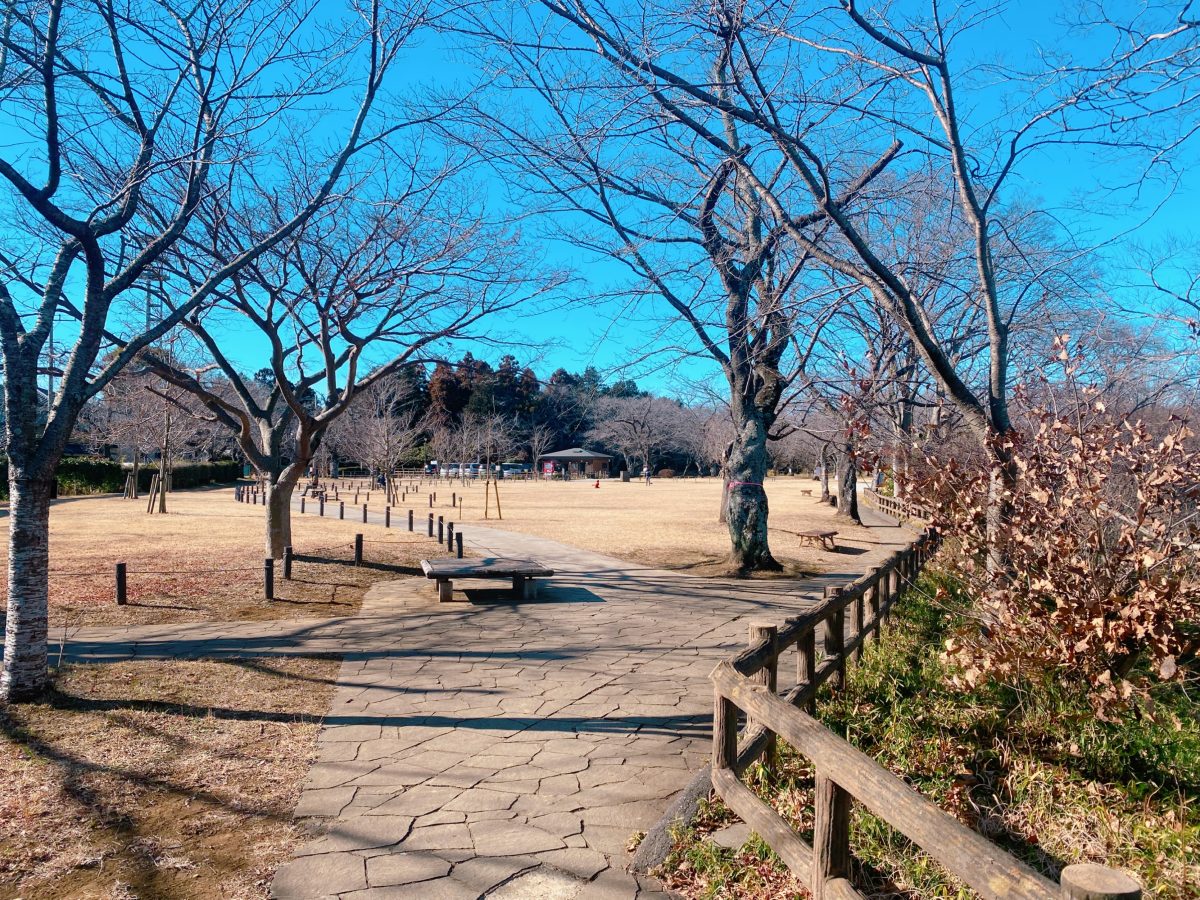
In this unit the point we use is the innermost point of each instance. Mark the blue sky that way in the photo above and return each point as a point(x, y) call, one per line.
point(574, 333)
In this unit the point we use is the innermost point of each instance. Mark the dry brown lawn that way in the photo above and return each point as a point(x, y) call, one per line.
point(203, 561)
point(158, 779)
point(671, 523)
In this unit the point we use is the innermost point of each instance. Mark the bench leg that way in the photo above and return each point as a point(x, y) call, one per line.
point(445, 591)
point(520, 587)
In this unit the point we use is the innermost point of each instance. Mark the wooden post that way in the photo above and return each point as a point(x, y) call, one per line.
point(835, 638)
point(450, 537)
point(430, 525)
point(341, 509)
point(269, 578)
point(724, 749)
point(458, 544)
point(322, 501)
point(302, 506)
point(358, 549)
point(873, 589)
point(122, 593)
point(1091, 881)
point(287, 563)
point(806, 664)
point(859, 603)
point(831, 835)
point(768, 675)
point(410, 520)
point(453, 498)
point(387, 517)
point(364, 514)
point(431, 501)
point(441, 530)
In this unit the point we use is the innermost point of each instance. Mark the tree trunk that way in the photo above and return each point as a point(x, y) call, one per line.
point(279, 508)
point(847, 505)
point(25, 656)
point(824, 473)
point(746, 501)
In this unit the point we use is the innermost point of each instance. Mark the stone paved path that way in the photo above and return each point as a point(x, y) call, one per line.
point(502, 749)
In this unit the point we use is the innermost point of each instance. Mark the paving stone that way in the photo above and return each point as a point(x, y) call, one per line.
point(511, 839)
point(360, 833)
point(319, 876)
point(439, 837)
point(323, 802)
point(405, 868)
point(539, 884)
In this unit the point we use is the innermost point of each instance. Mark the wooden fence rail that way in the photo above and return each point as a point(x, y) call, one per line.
point(896, 507)
point(747, 682)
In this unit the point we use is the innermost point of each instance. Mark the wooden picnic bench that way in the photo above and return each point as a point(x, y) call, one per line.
point(807, 492)
point(521, 571)
point(822, 539)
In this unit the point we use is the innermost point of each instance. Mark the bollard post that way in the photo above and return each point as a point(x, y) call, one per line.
point(122, 596)
point(410, 520)
point(269, 578)
point(431, 525)
point(450, 536)
point(341, 509)
point(364, 514)
point(387, 517)
point(441, 530)
point(458, 543)
point(453, 498)
point(431, 501)
point(287, 563)
point(358, 549)
point(322, 511)
point(301, 506)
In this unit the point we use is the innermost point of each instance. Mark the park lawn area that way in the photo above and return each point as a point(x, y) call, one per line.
point(211, 549)
point(1036, 773)
point(669, 524)
point(172, 779)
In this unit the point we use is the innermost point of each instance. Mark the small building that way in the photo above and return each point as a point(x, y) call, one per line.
point(575, 462)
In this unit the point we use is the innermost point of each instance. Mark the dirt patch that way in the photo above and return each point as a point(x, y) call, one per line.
point(669, 524)
point(203, 561)
point(171, 779)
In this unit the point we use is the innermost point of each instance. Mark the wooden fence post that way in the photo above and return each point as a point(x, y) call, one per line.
point(1091, 881)
point(458, 544)
point(387, 517)
point(341, 509)
point(364, 514)
point(450, 536)
point(873, 598)
point(441, 530)
point(122, 594)
point(358, 538)
point(831, 835)
point(835, 638)
point(430, 525)
point(287, 563)
point(269, 578)
point(859, 603)
point(806, 664)
point(322, 502)
point(724, 750)
point(410, 520)
point(302, 506)
point(768, 675)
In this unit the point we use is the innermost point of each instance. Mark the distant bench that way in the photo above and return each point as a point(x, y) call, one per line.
point(521, 571)
point(822, 539)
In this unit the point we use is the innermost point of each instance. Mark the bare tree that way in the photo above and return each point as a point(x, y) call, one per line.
point(114, 144)
point(540, 440)
point(379, 426)
point(637, 427)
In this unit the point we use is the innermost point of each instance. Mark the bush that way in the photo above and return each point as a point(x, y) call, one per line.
point(81, 475)
point(666, 473)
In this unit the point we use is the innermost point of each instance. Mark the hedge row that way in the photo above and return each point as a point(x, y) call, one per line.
point(91, 475)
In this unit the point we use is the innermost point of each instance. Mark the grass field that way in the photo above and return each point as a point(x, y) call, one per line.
point(201, 561)
point(158, 779)
point(670, 524)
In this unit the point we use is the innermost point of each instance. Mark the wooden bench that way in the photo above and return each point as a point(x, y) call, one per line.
point(521, 571)
point(822, 539)
point(807, 492)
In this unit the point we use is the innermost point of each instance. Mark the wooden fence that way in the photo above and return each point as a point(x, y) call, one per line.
point(748, 682)
point(896, 507)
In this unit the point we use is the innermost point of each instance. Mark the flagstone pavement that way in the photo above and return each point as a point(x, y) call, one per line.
point(502, 749)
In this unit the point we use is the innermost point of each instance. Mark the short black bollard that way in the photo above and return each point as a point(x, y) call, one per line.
point(458, 543)
point(358, 549)
point(321, 511)
point(387, 517)
point(287, 562)
point(453, 499)
point(269, 578)
point(364, 514)
point(341, 509)
point(441, 531)
point(450, 536)
point(431, 501)
point(431, 525)
point(301, 505)
point(410, 520)
point(121, 593)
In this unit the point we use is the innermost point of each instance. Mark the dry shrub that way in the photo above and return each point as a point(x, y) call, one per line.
point(1098, 581)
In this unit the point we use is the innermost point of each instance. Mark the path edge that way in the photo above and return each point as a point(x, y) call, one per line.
point(655, 846)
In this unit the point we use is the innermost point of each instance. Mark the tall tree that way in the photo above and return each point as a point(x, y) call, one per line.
point(114, 143)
